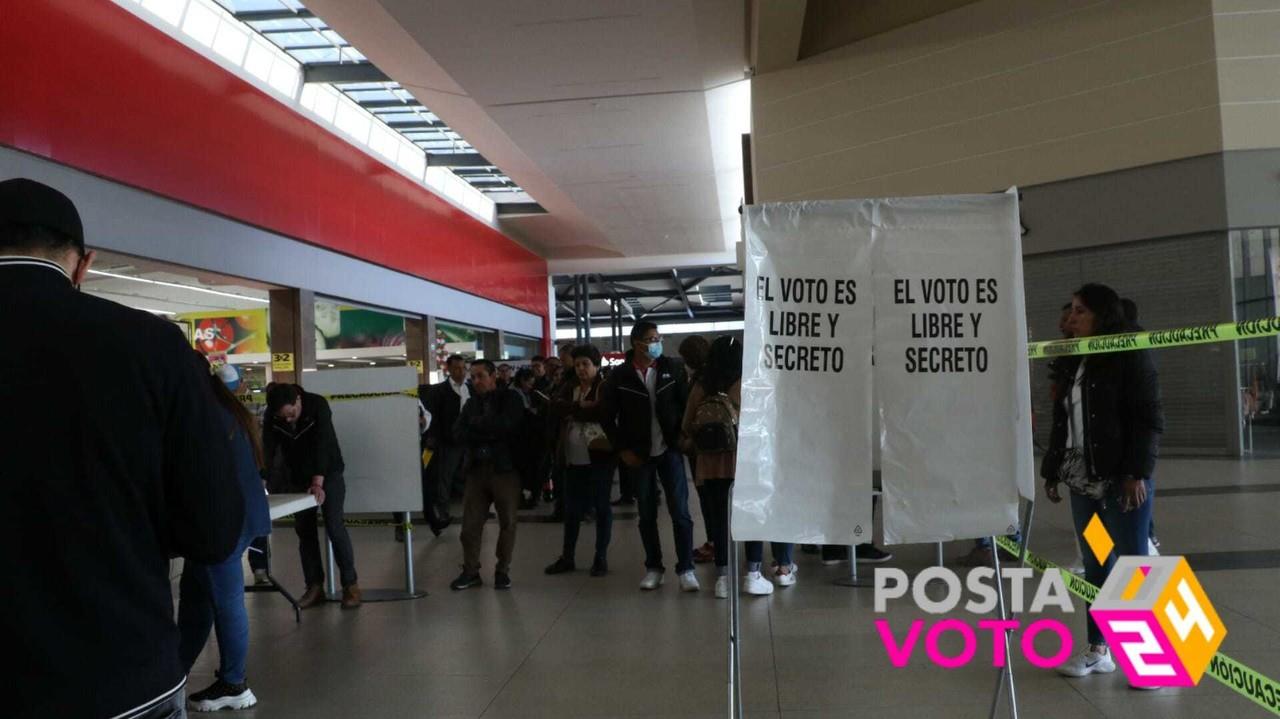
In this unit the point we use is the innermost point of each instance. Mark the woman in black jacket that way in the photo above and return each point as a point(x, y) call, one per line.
point(1107, 422)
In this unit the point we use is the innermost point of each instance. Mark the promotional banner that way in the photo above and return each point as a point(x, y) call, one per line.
point(231, 332)
point(804, 447)
point(951, 370)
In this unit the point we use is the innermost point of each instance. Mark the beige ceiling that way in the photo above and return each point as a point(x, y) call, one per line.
point(597, 108)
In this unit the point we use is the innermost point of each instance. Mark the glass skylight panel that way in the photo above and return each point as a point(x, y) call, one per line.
point(281, 24)
point(231, 42)
point(201, 24)
point(317, 55)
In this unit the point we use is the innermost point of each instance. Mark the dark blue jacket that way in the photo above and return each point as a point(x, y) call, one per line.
point(257, 515)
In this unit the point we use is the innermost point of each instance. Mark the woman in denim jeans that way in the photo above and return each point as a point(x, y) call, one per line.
point(715, 470)
point(1107, 421)
point(589, 462)
point(213, 595)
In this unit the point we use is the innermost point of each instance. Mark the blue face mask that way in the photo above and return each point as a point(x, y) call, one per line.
point(655, 349)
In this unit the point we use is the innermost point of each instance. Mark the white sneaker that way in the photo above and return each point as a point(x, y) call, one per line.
point(1088, 662)
point(756, 584)
point(1153, 551)
point(785, 580)
point(652, 580)
point(722, 587)
point(260, 577)
point(689, 582)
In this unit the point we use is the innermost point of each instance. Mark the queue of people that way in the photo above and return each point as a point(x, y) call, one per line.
point(165, 462)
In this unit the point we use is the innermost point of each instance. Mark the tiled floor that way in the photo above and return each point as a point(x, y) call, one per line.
point(573, 646)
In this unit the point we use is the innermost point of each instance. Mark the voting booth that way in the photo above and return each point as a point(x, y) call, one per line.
point(889, 327)
point(883, 336)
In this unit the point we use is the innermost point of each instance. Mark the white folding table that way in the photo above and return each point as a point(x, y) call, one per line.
point(284, 505)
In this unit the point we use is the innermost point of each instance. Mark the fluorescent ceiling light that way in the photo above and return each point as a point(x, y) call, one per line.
point(179, 286)
point(155, 312)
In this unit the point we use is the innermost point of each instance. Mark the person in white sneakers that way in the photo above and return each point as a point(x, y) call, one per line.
point(710, 431)
point(1107, 421)
point(641, 404)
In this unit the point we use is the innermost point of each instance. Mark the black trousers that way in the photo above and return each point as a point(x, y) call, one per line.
point(335, 491)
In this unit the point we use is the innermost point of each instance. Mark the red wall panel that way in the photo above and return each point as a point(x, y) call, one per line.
point(88, 84)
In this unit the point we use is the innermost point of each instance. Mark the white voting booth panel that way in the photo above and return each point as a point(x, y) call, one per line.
point(952, 374)
point(804, 448)
point(922, 284)
point(378, 436)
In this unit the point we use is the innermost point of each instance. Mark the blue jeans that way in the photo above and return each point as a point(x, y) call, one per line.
point(1129, 530)
point(213, 596)
point(588, 486)
point(669, 468)
point(781, 554)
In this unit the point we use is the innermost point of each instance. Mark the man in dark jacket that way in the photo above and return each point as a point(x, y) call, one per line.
point(490, 429)
point(643, 403)
point(108, 473)
point(444, 401)
point(299, 425)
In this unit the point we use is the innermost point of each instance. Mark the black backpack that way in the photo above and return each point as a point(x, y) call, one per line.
point(715, 424)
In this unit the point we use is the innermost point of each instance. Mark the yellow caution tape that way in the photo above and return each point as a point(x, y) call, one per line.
point(1263, 690)
point(1157, 339)
point(371, 395)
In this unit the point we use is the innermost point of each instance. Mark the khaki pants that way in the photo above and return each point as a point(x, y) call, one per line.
point(486, 486)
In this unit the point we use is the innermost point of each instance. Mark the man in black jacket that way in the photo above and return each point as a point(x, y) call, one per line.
point(107, 474)
point(299, 425)
point(444, 401)
point(490, 429)
point(643, 403)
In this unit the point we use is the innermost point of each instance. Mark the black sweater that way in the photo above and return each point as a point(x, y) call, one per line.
point(489, 427)
point(115, 459)
point(310, 446)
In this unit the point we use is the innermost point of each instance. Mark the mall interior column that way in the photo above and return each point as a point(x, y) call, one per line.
point(417, 348)
point(490, 345)
point(293, 331)
point(502, 346)
point(433, 360)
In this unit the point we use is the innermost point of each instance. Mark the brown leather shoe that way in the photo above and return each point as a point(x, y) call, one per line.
point(314, 596)
point(351, 597)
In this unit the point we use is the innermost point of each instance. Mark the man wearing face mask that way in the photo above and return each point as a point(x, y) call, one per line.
point(643, 406)
point(104, 480)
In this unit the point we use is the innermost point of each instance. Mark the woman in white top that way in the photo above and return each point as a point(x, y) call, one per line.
point(589, 461)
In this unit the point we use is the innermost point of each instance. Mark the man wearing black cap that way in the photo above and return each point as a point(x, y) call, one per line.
point(106, 478)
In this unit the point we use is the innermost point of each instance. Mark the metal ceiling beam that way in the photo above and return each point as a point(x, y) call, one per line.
point(685, 273)
point(456, 159)
point(386, 104)
point(511, 209)
point(264, 15)
point(684, 296)
point(613, 294)
point(342, 72)
point(674, 317)
point(416, 125)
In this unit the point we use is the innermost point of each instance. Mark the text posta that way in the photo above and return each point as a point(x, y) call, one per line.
point(1051, 591)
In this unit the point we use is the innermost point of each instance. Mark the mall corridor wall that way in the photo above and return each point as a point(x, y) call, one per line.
point(992, 94)
point(1139, 132)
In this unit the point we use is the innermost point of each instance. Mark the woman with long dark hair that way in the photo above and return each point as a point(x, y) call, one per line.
point(1107, 421)
point(715, 400)
point(589, 462)
point(693, 350)
point(213, 595)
